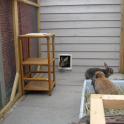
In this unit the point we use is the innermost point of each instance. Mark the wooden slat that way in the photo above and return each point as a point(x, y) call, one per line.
point(29, 3)
point(35, 61)
point(36, 35)
point(122, 42)
point(40, 71)
point(96, 110)
point(38, 86)
point(113, 101)
point(36, 79)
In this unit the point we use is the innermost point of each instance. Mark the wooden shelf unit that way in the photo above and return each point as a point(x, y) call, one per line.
point(30, 82)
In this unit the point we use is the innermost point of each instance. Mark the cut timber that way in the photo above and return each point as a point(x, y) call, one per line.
point(96, 111)
point(29, 3)
point(113, 101)
point(38, 86)
point(122, 41)
point(36, 79)
point(36, 61)
point(37, 35)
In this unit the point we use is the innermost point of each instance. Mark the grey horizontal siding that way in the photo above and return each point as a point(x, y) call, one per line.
point(89, 55)
point(94, 62)
point(86, 47)
point(82, 69)
point(77, 2)
point(81, 9)
point(87, 29)
point(80, 24)
point(88, 40)
point(80, 17)
point(85, 32)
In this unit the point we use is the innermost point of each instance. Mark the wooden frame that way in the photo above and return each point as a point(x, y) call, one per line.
point(38, 83)
point(122, 40)
point(17, 82)
point(99, 102)
point(29, 3)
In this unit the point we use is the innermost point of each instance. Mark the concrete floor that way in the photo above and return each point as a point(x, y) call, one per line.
point(60, 108)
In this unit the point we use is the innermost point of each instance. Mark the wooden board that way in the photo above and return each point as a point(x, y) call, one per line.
point(38, 86)
point(36, 61)
point(36, 35)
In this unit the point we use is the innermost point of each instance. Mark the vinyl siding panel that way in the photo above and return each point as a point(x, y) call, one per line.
point(87, 29)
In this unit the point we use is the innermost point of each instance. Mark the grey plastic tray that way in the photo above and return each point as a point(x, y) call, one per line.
point(88, 88)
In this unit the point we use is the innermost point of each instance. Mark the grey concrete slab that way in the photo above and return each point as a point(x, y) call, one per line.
point(60, 108)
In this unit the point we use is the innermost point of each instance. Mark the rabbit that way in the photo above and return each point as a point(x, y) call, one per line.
point(83, 120)
point(91, 71)
point(103, 85)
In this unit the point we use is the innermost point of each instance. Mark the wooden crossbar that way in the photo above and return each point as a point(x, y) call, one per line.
point(99, 102)
point(29, 3)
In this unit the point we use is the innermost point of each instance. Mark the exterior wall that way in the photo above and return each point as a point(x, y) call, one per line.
point(87, 29)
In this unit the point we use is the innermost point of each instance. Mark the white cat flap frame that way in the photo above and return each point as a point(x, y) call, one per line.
point(65, 61)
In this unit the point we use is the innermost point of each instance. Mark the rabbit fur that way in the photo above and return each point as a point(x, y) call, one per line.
point(91, 71)
point(103, 85)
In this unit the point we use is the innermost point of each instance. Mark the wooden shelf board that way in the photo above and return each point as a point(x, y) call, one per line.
point(36, 35)
point(36, 61)
point(38, 86)
point(36, 79)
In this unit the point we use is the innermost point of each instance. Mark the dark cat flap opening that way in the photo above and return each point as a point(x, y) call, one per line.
point(65, 61)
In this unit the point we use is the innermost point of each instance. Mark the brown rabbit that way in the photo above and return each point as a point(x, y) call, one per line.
point(103, 85)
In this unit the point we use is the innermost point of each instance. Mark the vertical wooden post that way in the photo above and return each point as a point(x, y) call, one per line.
point(97, 115)
point(122, 40)
point(38, 17)
point(16, 33)
point(54, 57)
point(49, 64)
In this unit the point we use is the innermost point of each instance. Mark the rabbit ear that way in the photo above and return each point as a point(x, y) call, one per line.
point(105, 65)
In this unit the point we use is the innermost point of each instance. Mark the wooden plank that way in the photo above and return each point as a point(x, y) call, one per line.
point(36, 35)
point(9, 105)
point(96, 110)
point(86, 32)
point(80, 24)
point(16, 44)
point(81, 9)
point(37, 86)
point(29, 3)
point(75, 17)
point(36, 61)
point(15, 85)
point(122, 42)
point(113, 101)
point(36, 79)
